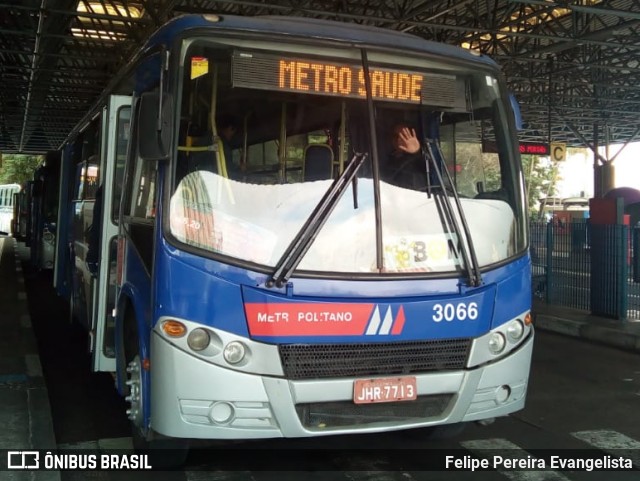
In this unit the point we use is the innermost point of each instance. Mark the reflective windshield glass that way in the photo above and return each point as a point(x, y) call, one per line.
point(263, 134)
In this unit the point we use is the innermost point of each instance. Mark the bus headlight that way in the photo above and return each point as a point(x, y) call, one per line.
point(515, 330)
point(198, 339)
point(234, 352)
point(497, 342)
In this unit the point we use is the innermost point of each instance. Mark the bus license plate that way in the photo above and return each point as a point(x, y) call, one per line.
point(386, 390)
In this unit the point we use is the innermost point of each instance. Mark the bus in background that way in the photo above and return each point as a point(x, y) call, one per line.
point(575, 204)
point(21, 222)
point(274, 275)
point(7, 200)
point(549, 205)
point(44, 211)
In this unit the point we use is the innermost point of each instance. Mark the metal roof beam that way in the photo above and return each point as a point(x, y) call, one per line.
point(581, 8)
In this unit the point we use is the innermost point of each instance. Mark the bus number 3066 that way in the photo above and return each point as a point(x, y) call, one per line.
point(461, 311)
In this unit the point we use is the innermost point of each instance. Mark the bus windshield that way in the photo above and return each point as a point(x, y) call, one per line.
point(265, 130)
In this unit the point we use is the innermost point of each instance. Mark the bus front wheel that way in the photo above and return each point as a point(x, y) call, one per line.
point(162, 452)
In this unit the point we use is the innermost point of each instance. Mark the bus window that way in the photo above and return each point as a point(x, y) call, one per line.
point(139, 196)
point(122, 142)
point(143, 201)
point(262, 162)
point(87, 180)
point(473, 170)
point(139, 203)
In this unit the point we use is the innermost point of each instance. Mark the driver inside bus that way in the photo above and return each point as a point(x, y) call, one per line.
point(405, 165)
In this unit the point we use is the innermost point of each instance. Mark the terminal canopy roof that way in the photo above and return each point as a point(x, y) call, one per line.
point(573, 65)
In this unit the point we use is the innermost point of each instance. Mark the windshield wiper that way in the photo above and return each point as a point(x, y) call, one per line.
point(467, 249)
point(309, 231)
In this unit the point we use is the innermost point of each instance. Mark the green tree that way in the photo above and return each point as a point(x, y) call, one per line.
point(18, 168)
point(541, 178)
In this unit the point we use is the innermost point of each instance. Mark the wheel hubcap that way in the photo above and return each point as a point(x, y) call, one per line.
point(134, 398)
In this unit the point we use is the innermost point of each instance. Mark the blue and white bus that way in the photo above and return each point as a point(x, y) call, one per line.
point(261, 274)
point(7, 201)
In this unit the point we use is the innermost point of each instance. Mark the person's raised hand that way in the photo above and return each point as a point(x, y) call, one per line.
point(407, 141)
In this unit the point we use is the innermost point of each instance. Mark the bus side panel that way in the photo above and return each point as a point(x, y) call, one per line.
point(62, 274)
point(134, 293)
point(35, 215)
point(513, 296)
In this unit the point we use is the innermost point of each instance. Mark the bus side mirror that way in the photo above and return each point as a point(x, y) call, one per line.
point(515, 106)
point(154, 126)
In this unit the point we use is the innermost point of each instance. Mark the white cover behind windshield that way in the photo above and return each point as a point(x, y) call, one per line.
point(256, 223)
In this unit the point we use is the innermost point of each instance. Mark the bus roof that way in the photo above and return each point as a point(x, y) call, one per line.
point(575, 202)
point(314, 29)
point(294, 27)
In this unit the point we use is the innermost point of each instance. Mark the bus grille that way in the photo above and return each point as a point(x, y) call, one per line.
point(345, 414)
point(317, 361)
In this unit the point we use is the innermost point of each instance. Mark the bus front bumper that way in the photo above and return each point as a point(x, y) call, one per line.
point(192, 398)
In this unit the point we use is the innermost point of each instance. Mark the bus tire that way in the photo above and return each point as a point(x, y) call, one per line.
point(161, 452)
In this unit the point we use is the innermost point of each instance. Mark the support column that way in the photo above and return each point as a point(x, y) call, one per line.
point(597, 185)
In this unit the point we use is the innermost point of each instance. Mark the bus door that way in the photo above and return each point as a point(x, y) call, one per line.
point(115, 139)
point(62, 262)
point(82, 207)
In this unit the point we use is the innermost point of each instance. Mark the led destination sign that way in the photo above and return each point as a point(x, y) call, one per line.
point(322, 77)
point(325, 78)
point(529, 148)
point(534, 148)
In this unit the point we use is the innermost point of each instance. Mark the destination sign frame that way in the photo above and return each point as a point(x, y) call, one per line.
point(342, 79)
